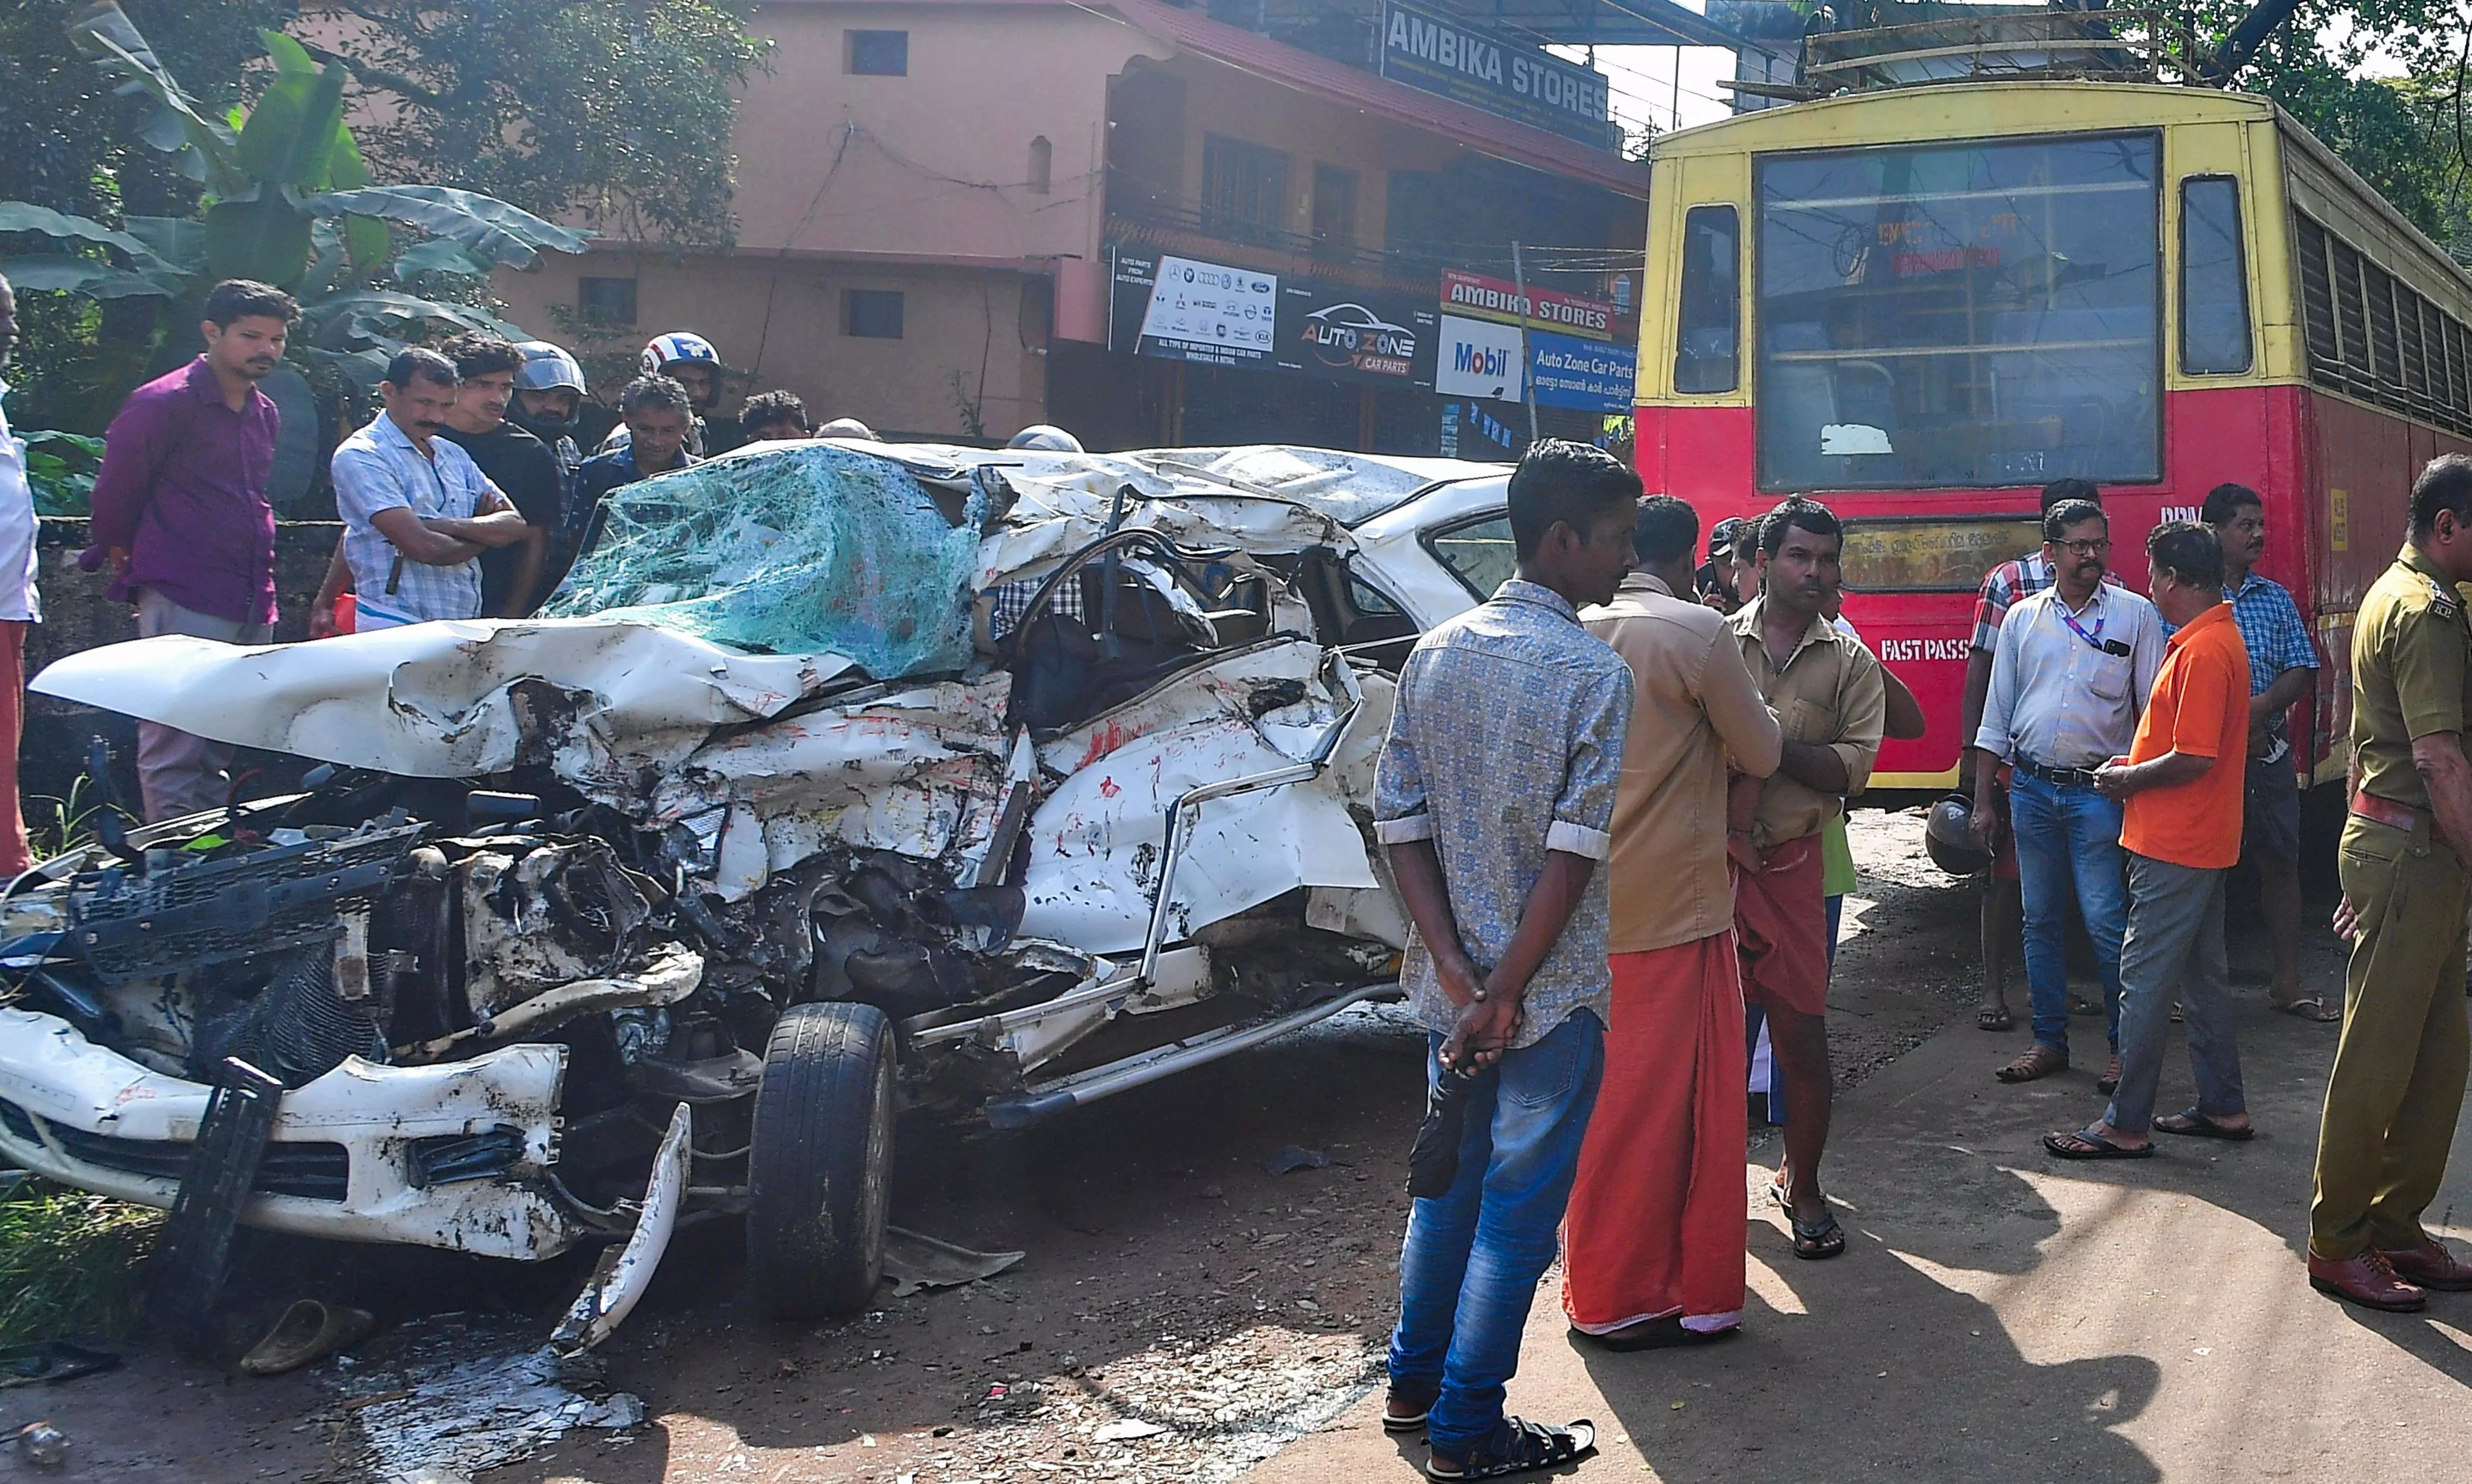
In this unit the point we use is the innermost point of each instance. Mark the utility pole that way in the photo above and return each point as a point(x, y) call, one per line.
point(1527, 361)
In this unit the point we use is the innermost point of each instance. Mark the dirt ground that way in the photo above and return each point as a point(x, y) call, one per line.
point(1180, 1311)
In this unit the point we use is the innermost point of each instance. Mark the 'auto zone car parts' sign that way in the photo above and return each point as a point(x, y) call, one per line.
point(1441, 55)
point(1345, 333)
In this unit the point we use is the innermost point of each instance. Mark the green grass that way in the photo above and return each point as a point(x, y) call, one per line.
point(68, 1263)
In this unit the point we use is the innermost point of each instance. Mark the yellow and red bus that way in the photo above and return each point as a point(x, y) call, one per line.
point(1921, 305)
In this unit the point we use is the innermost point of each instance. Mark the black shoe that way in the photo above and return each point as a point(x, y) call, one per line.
point(1667, 1334)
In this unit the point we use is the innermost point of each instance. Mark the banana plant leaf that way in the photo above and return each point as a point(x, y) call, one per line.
point(179, 242)
point(17, 216)
point(290, 57)
point(493, 230)
point(367, 239)
point(267, 240)
point(338, 320)
point(290, 136)
point(60, 273)
point(208, 147)
point(437, 255)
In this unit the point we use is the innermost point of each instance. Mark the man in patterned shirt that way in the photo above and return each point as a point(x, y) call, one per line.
point(1494, 797)
point(2003, 909)
point(2282, 662)
point(417, 511)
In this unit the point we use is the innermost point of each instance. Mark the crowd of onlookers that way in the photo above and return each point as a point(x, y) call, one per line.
point(1606, 797)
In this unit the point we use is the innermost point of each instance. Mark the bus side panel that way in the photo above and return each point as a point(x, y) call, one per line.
point(2359, 466)
point(1699, 454)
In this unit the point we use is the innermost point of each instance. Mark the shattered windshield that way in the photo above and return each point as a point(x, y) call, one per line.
point(794, 551)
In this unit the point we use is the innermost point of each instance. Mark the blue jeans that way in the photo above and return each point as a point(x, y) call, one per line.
point(2068, 840)
point(1473, 1256)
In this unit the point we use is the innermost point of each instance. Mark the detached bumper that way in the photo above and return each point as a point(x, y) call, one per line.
point(446, 1156)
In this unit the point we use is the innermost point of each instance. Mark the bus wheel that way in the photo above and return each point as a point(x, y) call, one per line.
point(818, 1175)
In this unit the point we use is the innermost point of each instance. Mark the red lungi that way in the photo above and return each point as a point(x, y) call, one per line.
point(1656, 1217)
point(1783, 921)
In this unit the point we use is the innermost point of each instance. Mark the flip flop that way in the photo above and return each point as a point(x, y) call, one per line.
point(2193, 1124)
point(308, 1331)
point(2087, 1144)
point(1816, 1241)
point(2309, 1009)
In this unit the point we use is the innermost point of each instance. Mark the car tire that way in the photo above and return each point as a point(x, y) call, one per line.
point(820, 1170)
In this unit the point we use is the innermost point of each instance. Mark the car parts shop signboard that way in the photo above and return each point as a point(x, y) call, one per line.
point(1441, 55)
point(1183, 309)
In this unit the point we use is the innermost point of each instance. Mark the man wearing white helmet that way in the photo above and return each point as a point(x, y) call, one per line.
point(549, 401)
point(690, 360)
point(1046, 437)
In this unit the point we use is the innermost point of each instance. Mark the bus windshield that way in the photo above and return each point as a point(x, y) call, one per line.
point(1958, 316)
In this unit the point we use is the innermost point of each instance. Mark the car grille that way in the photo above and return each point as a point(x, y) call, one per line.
point(311, 1172)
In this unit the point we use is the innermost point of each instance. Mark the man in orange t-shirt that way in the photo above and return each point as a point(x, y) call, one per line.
point(2181, 826)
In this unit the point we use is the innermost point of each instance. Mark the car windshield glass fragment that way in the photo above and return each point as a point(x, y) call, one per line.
point(804, 550)
point(1960, 316)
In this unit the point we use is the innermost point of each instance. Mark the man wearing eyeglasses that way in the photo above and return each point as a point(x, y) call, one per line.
point(2069, 681)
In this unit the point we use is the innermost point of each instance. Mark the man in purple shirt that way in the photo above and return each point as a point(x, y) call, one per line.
point(180, 514)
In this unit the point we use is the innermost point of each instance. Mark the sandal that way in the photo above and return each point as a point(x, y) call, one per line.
point(2309, 1008)
point(2039, 1061)
point(1992, 1017)
point(2193, 1124)
point(1396, 1421)
point(1520, 1447)
point(1816, 1241)
point(2087, 1144)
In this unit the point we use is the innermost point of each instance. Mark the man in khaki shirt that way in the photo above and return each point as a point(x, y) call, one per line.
point(1827, 693)
point(1653, 1243)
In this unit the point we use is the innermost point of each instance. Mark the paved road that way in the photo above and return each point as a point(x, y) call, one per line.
point(2004, 1315)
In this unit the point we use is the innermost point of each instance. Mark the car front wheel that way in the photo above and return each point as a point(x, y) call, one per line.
point(820, 1167)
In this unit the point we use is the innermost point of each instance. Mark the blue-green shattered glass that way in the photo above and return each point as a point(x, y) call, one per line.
point(794, 551)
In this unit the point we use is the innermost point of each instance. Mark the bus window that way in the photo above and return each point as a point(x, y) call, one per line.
point(1960, 316)
point(2214, 278)
point(1479, 553)
point(1933, 555)
point(1708, 320)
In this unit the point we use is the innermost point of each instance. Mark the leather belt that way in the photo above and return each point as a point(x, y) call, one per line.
point(2386, 812)
point(2063, 777)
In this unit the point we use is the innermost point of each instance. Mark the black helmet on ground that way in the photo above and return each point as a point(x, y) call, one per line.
point(1948, 834)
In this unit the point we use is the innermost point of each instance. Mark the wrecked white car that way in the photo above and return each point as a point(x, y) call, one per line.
point(840, 778)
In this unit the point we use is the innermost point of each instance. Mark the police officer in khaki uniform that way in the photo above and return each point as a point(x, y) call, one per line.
point(2398, 1078)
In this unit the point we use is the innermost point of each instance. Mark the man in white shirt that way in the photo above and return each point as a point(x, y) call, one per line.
point(19, 604)
point(2069, 680)
point(417, 511)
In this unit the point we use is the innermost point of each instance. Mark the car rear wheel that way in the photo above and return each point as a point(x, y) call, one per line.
point(820, 1167)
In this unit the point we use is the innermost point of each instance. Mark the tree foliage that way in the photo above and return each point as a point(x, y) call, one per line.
point(617, 109)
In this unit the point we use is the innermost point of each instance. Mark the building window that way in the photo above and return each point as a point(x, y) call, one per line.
point(1243, 189)
point(605, 300)
point(1042, 166)
point(872, 313)
point(879, 54)
point(1334, 209)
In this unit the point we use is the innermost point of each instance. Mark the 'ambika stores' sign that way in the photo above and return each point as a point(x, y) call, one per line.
point(1428, 51)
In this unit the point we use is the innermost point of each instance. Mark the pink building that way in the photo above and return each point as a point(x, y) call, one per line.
point(960, 217)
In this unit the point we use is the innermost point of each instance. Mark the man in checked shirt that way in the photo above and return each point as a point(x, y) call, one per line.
point(1495, 796)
